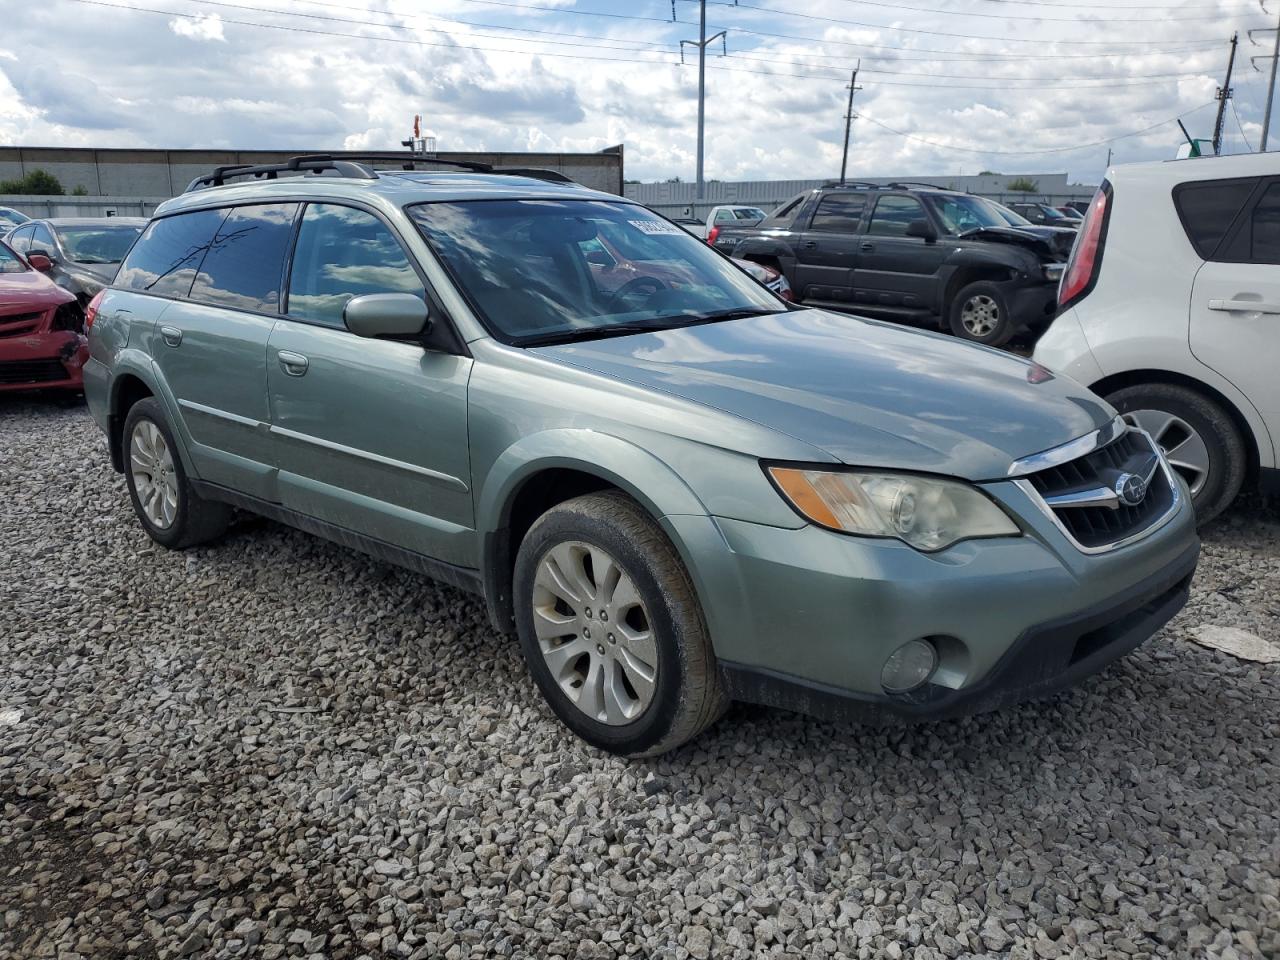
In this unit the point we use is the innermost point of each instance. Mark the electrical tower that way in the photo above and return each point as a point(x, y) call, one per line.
point(1224, 94)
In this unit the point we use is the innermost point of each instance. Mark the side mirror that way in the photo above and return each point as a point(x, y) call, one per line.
point(386, 315)
point(922, 229)
point(40, 261)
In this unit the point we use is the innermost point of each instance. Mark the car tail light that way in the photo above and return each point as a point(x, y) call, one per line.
point(712, 234)
point(1086, 256)
point(91, 311)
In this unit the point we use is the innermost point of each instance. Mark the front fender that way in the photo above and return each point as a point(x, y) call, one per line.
point(625, 465)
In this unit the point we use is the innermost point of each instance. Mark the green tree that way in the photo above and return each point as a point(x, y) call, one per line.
point(80, 191)
point(37, 183)
point(1024, 185)
point(989, 173)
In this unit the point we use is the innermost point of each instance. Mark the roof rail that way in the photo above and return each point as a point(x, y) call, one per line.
point(908, 184)
point(358, 168)
point(850, 185)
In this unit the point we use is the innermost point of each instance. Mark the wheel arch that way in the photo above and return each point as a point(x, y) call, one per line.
point(127, 388)
point(1137, 378)
point(522, 486)
point(965, 274)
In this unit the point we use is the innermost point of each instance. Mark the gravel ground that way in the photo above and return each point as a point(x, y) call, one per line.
point(275, 747)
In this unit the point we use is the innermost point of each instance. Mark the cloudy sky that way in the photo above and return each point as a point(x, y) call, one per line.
point(948, 86)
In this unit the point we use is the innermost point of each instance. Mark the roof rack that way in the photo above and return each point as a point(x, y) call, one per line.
point(849, 185)
point(358, 168)
point(908, 184)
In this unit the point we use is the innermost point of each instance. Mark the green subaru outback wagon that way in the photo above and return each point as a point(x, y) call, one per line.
point(676, 489)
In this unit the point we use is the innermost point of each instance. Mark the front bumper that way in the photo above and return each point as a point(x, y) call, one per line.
point(43, 361)
point(1034, 306)
point(805, 618)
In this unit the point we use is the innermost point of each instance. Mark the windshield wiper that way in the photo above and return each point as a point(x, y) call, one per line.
point(657, 324)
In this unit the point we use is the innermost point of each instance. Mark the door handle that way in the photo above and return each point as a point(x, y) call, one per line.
point(810, 244)
point(294, 364)
point(171, 335)
point(1244, 306)
point(867, 246)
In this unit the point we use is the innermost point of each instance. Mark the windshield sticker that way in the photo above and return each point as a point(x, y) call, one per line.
point(655, 227)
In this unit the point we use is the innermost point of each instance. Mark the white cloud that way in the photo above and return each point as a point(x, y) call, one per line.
point(205, 26)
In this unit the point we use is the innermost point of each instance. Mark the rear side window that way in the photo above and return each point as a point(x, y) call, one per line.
point(839, 213)
point(1264, 228)
point(244, 266)
point(1208, 209)
point(166, 257)
point(342, 253)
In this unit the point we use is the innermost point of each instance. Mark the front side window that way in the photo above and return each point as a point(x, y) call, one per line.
point(245, 263)
point(105, 244)
point(524, 266)
point(21, 239)
point(894, 214)
point(166, 257)
point(10, 262)
point(961, 214)
point(342, 253)
point(42, 239)
point(839, 213)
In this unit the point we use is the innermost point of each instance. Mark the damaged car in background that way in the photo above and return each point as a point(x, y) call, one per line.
point(42, 344)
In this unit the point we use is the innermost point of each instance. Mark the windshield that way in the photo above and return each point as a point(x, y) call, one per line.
point(104, 244)
point(11, 218)
point(543, 271)
point(10, 262)
point(960, 214)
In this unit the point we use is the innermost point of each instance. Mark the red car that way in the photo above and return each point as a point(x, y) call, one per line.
point(42, 342)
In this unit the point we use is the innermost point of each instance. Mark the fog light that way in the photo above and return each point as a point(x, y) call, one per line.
point(909, 666)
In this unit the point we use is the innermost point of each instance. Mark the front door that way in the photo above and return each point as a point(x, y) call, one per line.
point(370, 435)
point(828, 250)
point(1235, 304)
point(895, 271)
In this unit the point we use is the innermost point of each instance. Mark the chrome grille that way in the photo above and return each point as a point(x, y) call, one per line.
point(1085, 499)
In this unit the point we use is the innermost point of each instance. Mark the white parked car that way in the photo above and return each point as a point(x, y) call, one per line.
point(1170, 309)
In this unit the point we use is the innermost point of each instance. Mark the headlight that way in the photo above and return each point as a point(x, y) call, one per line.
point(925, 512)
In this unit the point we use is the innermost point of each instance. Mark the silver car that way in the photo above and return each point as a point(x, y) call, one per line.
point(676, 489)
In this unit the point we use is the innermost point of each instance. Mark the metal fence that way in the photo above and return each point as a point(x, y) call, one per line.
point(38, 208)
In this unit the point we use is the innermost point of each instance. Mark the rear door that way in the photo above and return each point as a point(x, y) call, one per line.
point(896, 271)
point(221, 273)
point(827, 252)
point(370, 435)
point(1235, 299)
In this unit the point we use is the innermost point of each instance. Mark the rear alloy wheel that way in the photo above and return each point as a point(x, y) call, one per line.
point(1199, 439)
point(170, 510)
point(611, 628)
point(980, 313)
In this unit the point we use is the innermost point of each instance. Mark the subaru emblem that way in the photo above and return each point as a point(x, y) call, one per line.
point(1131, 489)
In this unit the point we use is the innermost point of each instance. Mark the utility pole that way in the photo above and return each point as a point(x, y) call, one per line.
point(1224, 94)
point(1108, 158)
point(701, 44)
point(1271, 88)
point(848, 120)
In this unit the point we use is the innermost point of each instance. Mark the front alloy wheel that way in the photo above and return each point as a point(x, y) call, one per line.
point(980, 315)
point(594, 632)
point(611, 627)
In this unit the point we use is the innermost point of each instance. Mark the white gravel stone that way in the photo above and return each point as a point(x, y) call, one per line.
point(275, 747)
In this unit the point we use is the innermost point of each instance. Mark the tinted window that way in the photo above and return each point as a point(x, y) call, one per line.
point(748, 213)
point(105, 244)
point(787, 210)
point(9, 261)
point(343, 253)
point(1208, 209)
point(42, 239)
point(244, 266)
point(839, 213)
point(1264, 228)
point(893, 214)
point(165, 258)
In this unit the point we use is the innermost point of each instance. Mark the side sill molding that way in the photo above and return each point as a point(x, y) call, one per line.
point(463, 578)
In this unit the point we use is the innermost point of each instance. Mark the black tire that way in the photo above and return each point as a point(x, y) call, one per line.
point(196, 520)
point(1004, 327)
point(1228, 458)
point(688, 696)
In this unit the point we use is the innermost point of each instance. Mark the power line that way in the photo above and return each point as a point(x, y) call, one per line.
point(1240, 126)
point(1028, 153)
point(736, 5)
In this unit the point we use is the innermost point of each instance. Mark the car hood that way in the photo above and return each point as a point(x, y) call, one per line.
point(1052, 242)
point(865, 392)
point(29, 291)
point(102, 272)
